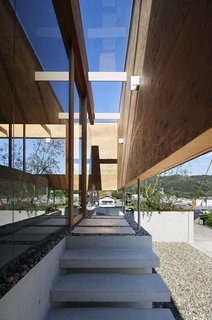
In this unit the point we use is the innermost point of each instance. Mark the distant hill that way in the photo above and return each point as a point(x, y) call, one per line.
point(187, 186)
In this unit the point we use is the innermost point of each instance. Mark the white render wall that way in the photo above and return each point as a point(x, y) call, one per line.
point(168, 226)
point(29, 298)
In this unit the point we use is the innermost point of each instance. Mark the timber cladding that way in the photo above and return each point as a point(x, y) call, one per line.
point(103, 142)
point(168, 120)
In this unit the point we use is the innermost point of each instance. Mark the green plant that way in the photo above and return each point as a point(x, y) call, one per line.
point(117, 194)
point(207, 218)
point(153, 198)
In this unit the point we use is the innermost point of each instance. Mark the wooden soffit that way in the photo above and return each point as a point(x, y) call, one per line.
point(70, 23)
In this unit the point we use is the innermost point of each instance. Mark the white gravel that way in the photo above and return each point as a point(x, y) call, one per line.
point(188, 274)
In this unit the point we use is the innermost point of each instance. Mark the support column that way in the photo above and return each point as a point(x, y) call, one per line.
point(24, 148)
point(124, 200)
point(10, 147)
point(83, 111)
point(71, 139)
point(138, 191)
point(54, 202)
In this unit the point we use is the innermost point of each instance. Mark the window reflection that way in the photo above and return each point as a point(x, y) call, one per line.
point(18, 154)
point(45, 156)
point(4, 151)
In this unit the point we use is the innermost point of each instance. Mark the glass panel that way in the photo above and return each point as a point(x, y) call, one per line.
point(106, 96)
point(39, 22)
point(106, 28)
point(45, 156)
point(40, 25)
point(18, 154)
point(4, 151)
point(29, 41)
point(7, 46)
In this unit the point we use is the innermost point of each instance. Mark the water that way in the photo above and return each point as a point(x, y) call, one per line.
point(108, 211)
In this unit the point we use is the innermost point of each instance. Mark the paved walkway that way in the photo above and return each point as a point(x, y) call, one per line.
point(203, 239)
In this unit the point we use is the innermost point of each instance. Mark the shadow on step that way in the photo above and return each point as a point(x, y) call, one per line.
point(169, 305)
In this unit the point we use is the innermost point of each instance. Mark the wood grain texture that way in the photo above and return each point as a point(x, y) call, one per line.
point(103, 140)
point(35, 131)
point(164, 121)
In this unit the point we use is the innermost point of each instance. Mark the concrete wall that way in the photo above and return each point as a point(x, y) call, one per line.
point(168, 226)
point(29, 298)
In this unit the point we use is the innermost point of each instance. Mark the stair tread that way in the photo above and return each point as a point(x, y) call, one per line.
point(109, 314)
point(94, 258)
point(103, 223)
point(110, 287)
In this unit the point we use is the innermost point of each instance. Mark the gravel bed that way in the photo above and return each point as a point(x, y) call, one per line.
point(130, 219)
point(17, 268)
point(188, 274)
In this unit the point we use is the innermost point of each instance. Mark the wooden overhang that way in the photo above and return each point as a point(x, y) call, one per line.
point(70, 23)
point(168, 120)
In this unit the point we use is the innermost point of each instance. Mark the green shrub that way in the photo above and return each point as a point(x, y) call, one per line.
point(207, 218)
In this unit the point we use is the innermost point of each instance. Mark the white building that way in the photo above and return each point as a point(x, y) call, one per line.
point(107, 201)
point(209, 202)
point(204, 202)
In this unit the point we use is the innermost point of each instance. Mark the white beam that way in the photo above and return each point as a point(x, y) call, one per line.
point(100, 116)
point(51, 76)
point(107, 116)
point(107, 76)
point(63, 115)
point(92, 76)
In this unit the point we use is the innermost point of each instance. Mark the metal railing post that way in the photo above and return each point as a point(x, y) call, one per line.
point(139, 217)
point(124, 201)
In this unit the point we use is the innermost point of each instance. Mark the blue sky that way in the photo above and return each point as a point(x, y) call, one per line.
point(197, 166)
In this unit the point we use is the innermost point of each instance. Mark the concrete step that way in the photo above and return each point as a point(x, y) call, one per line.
point(108, 242)
point(106, 217)
point(102, 230)
point(109, 258)
point(110, 287)
point(103, 223)
point(109, 314)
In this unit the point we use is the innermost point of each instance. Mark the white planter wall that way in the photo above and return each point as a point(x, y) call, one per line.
point(29, 298)
point(168, 226)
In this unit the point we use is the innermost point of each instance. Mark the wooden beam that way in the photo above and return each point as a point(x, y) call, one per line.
point(10, 153)
point(35, 131)
point(83, 107)
point(70, 23)
point(24, 148)
point(71, 138)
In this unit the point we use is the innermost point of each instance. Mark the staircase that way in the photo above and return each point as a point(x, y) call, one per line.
point(108, 277)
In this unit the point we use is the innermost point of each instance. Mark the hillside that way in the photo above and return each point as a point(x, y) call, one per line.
point(187, 186)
